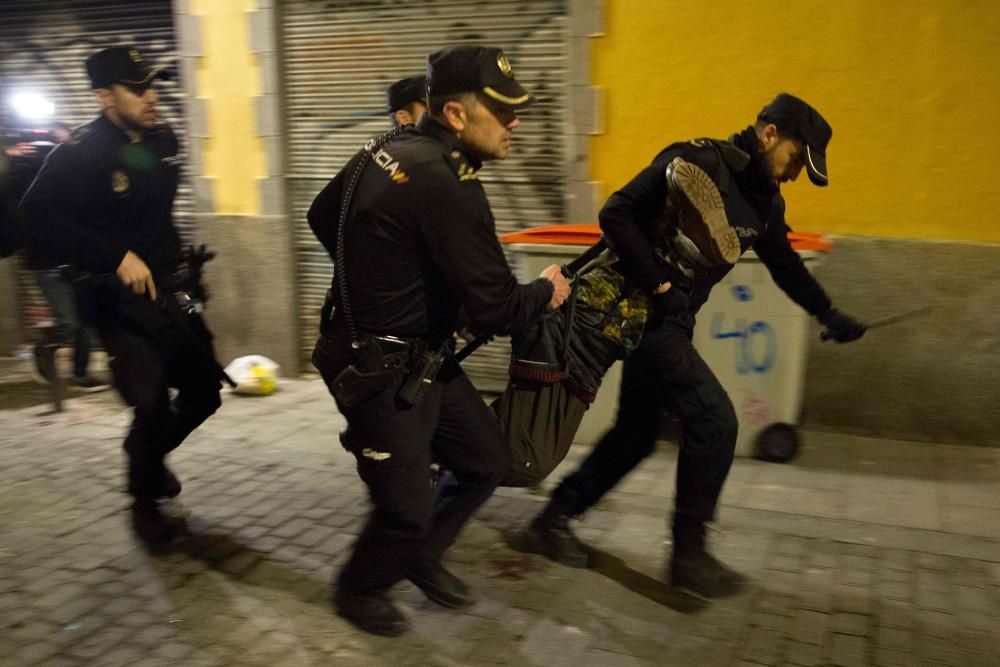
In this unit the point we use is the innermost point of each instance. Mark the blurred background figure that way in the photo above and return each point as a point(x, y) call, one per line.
point(27, 145)
point(66, 328)
point(407, 99)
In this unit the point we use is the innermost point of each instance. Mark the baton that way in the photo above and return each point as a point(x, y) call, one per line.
point(887, 320)
point(898, 317)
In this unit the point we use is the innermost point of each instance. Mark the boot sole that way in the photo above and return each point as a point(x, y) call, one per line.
point(704, 200)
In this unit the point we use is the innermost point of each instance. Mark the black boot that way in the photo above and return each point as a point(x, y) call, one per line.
point(696, 571)
point(550, 535)
point(171, 485)
point(151, 478)
point(372, 613)
point(440, 585)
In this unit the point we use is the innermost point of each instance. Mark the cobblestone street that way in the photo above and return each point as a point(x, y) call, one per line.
point(862, 552)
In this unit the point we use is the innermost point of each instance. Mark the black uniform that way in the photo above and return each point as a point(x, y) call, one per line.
point(420, 243)
point(665, 371)
point(96, 197)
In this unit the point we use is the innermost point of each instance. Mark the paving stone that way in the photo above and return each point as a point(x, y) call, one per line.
point(770, 621)
point(939, 651)
point(851, 624)
point(797, 653)
point(894, 658)
point(312, 536)
point(809, 627)
point(980, 642)
point(33, 652)
point(932, 623)
point(240, 563)
point(762, 646)
point(848, 650)
point(895, 590)
point(894, 638)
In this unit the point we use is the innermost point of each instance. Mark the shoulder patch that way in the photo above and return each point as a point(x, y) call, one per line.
point(460, 165)
point(387, 163)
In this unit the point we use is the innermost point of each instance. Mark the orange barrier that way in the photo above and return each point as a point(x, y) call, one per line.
point(587, 235)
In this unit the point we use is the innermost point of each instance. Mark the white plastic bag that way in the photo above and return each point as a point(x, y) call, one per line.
point(254, 374)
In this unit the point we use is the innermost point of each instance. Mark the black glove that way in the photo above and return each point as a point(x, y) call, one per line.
point(840, 327)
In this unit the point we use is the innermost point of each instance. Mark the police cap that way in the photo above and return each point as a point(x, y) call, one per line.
point(407, 91)
point(793, 116)
point(120, 64)
point(468, 68)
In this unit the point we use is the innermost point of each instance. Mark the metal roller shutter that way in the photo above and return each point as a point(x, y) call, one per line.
point(43, 44)
point(339, 58)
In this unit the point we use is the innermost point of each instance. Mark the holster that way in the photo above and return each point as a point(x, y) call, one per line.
point(355, 374)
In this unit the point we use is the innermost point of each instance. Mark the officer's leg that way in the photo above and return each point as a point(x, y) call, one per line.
point(630, 440)
point(392, 448)
point(196, 378)
point(140, 376)
point(81, 352)
point(60, 297)
point(469, 443)
point(708, 441)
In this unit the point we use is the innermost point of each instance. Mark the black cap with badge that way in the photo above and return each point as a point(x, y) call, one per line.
point(407, 91)
point(466, 69)
point(793, 116)
point(120, 64)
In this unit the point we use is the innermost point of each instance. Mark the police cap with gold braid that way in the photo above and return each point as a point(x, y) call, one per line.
point(120, 64)
point(468, 68)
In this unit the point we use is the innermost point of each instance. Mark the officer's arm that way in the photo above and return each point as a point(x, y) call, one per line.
point(786, 266)
point(460, 234)
point(52, 207)
point(625, 221)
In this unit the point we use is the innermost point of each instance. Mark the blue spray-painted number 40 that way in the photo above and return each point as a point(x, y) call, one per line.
point(757, 345)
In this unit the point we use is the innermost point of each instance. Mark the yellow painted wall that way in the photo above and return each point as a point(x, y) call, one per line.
point(228, 79)
point(911, 88)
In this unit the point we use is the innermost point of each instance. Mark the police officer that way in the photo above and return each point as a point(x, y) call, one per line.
point(678, 227)
point(407, 99)
point(102, 203)
point(418, 243)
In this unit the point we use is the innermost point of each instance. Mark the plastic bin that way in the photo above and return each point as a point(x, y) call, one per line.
point(755, 339)
point(749, 332)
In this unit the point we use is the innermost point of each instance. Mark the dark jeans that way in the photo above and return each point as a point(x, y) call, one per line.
point(145, 368)
point(68, 330)
point(394, 446)
point(664, 372)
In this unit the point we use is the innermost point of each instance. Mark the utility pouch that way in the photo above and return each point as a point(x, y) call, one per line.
point(424, 369)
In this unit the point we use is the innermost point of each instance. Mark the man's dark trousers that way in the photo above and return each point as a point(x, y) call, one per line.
point(394, 446)
point(664, 373)
point(144, 369)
